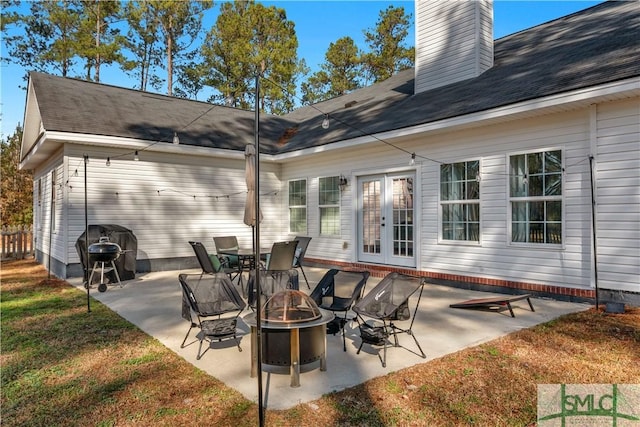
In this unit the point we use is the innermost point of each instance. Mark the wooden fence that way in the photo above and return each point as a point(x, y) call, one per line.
point(17, 242)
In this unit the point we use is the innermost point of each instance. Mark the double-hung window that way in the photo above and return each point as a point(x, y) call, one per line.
point(298, 206)
point(460, 201)
point(329, 203)
point(535, 190)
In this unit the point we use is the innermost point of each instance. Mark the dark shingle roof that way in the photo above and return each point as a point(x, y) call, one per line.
point(589, 48)
point(592, 47)
point(79, 106)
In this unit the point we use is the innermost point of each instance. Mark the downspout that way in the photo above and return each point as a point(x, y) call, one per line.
point(86, 236)
point(593, 228)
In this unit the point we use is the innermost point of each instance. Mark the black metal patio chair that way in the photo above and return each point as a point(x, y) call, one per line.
point(337, 291)
point(383, 306)
point(301, 251)
point(211, 263)
point(212, 304)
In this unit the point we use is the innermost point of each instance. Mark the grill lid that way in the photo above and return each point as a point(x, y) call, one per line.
point(290, 306)
point(104, 250)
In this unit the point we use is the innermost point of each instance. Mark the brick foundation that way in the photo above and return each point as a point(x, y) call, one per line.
point(469, 282)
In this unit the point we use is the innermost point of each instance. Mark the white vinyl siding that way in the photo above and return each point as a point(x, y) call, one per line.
point(166, 200)
point(54, 193)
point(462, 29)
point(50, 211)
point(617, 176)
point(559, 265)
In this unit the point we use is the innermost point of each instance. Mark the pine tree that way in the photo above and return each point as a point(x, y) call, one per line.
point(388, 55)
point(338, 75)
point(250, 39)
point(48, 40)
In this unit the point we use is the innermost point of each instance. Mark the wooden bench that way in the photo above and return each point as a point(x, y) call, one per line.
point(494, 303)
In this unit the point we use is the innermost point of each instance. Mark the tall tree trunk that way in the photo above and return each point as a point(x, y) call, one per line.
point(98, 29)
point(170, 57)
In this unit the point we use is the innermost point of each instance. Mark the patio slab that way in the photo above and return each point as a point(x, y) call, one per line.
point(152, 302)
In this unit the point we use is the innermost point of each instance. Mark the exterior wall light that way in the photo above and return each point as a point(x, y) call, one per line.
point(342, 183)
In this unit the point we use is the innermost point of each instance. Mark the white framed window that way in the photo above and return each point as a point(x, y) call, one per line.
point(298, 206)
point(535, 197)
point(460, 201)
point(329, 204)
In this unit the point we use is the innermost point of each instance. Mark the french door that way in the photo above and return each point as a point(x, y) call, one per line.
point(386, 231)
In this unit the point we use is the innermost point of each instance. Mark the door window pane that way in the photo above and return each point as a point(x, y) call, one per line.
point(371, 217)
point(403, 217)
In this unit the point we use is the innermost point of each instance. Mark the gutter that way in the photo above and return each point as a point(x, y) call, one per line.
point(536, 107)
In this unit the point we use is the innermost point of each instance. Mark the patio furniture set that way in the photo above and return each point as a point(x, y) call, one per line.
point(293, 324)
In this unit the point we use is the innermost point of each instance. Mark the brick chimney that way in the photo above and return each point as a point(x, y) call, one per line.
point(454, 41)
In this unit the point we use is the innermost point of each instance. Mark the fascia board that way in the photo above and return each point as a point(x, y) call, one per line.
point(579, 98)
point(145, 145)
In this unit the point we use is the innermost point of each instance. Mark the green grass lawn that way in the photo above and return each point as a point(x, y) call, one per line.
point(63, 366)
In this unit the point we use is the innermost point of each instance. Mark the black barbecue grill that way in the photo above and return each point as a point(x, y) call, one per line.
point(104, 252)
point(123, 237)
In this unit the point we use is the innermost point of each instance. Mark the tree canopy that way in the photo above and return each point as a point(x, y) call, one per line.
point(387, 54)
point(249, 39)
point(339, 74)
point(162, 43)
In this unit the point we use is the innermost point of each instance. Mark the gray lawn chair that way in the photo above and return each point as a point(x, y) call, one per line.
point(227, 243)
point(281, 256)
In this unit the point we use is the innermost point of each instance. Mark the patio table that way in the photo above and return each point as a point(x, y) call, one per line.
point(246, 259)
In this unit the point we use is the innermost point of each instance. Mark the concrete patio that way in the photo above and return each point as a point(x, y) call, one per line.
point(152, 302)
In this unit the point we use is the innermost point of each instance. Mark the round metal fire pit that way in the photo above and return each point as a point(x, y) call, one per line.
point(290, 306)
point(294, 333)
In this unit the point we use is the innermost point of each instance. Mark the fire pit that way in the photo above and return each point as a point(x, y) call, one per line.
point(293, 333)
